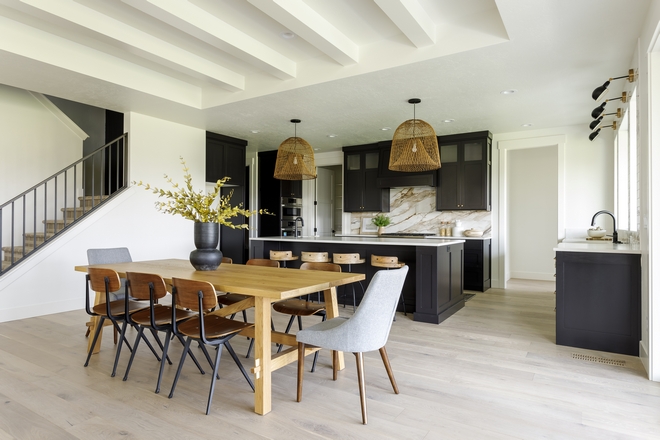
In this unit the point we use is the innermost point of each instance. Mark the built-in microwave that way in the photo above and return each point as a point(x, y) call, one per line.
point(292, 201)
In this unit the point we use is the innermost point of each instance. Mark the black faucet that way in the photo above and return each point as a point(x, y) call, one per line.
point(615, 235)
point(295, 226)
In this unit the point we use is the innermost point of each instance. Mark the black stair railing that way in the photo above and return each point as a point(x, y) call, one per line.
point(43, 212)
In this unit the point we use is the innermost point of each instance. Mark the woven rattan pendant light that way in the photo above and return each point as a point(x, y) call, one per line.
point(414, 146)
point(295, 159)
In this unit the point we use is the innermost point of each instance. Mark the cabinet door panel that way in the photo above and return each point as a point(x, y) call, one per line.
point(448, 187)
point(353, 183)
point(234, 164)
point(474, 186)
point(372, 199)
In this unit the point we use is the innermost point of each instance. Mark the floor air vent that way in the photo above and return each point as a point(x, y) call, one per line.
point(600, 360)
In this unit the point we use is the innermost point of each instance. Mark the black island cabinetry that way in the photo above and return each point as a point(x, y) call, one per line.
point(433, 289)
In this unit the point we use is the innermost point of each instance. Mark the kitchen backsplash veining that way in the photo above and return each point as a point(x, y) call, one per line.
point(413, 210)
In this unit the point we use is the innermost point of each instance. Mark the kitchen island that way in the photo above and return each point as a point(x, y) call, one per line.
point(599, 296)
point(433, 287)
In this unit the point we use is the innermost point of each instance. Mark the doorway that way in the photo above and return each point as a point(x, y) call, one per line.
point(328, 201)
point(510, 204)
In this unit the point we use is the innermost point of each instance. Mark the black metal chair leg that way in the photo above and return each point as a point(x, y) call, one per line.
point(232, 353)
point(288, 327)
point(162, 361)
point(206, 353)
point(135, 348)
point(186, 348)
point(316, 355)
point(151, 347)
point(192, 356)
point(99, 327)
point(218, 354)
point(272, 327)
point(122, 338)
point(154, 332)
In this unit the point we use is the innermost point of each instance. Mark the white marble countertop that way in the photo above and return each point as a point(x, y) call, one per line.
point(373, 239)
point(600, 247)
point(430, 237)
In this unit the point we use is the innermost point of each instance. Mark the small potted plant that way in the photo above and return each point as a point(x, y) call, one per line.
point(381, 220)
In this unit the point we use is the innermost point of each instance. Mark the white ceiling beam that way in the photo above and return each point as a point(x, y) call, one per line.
point(308, 24)
point(410, 17)
point(203, 25)
point(151, 47)
point(43, 47)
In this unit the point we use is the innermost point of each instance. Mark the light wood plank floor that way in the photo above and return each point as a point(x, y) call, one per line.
point(491, 371)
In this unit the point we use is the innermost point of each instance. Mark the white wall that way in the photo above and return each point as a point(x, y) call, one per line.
point(48, 283)
point(588, 183)
point(647, 60)
point(34, 144)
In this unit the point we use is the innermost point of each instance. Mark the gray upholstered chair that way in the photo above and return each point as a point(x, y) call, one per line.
point(367, 330)
point(111, 256)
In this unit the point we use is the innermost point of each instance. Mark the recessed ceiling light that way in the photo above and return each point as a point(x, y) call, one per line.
point(254, 131)
point(385, 128)
point(448, 120)
point(287, 35)
point(508, 92)
point(332, 135)
point(527, 125)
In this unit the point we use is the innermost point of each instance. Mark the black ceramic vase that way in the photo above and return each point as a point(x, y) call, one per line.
point(207, 256)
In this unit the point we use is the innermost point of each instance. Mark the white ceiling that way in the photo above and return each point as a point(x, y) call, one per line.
point(224, 65)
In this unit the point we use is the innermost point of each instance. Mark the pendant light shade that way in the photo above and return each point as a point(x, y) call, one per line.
point(414, 146)
point(295, 159)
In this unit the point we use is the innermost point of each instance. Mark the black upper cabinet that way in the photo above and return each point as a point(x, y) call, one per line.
point(291, 188)
point(225, 156)
point(360, 175)
point(464, 177)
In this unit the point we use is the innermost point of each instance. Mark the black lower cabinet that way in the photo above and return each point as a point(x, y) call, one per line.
point(439, 280)
point(599, 301)
point(477, 265)
point(433, 289)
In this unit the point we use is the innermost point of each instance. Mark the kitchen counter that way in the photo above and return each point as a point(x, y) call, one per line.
point(599, 247)
point(430, 237)
point(370, 239)
point(433, 287)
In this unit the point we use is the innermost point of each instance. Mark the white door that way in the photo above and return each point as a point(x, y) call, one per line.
point(532, 212)
point(324, 199)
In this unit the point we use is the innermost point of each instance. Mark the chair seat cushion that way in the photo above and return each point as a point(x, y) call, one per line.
point(162, 315)
point(231, 298)
point(117, 307)
point(214, 326)
point(319, 335)
point(298, 307)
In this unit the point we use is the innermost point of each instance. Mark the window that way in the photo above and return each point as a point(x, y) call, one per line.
point(626, 191)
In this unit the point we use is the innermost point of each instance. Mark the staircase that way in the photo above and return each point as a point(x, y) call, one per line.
point(35, 239)
point(35, 217)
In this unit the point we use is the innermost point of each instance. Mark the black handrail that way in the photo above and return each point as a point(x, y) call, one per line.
point(111, 176)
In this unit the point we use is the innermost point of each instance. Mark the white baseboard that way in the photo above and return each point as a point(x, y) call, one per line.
point(540, 276)
point(41, 309)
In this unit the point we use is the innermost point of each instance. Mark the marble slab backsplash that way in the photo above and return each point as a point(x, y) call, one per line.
point(413, 210)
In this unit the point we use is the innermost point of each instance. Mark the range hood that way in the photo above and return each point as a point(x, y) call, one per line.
point(408, 179)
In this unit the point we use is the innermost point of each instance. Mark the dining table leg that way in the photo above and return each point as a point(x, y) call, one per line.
point(332, 311)
point(262, 356)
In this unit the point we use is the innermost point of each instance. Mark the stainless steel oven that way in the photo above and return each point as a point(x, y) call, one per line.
point(289, 227)
point(290, 210)
point(291, 207)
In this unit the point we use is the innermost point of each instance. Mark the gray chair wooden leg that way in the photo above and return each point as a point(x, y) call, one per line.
point(388, 367)
point(301, 369)
point(359, 358)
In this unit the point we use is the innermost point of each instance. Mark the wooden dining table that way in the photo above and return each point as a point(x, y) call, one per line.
point(263, 285)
